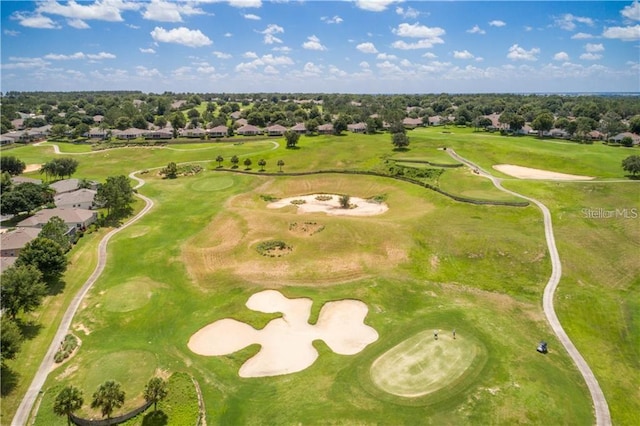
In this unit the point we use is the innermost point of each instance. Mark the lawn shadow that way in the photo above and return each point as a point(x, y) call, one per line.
point(8, 380)
point(29, 329)
point(55, 286)
point(155, 418)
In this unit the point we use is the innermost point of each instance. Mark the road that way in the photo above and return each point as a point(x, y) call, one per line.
point(26, 405)
point(603, 417)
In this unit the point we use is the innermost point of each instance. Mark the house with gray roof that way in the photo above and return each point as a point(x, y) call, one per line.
point(72, 217)
point(276, 130)
point(218, 132)
point(82, 198)
point(249, 130)
point(299, 128)
point(13, 241)
point(357, 127)
point(325, 129)
point(65, 185)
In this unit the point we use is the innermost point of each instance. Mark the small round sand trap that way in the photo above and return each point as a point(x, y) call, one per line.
point(286, 342)
point(422, 365)
point(537, 174)
point(360, 206)
point(32, 168)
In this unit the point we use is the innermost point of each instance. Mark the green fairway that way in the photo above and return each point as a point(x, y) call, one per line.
point(428, 262)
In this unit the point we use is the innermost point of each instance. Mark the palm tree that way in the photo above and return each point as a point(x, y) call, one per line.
point(235, 160)
point(280, 164)
point(219, 159)
point(156, 390)
point(68, 400)
point(107, 397)
point(262, 163)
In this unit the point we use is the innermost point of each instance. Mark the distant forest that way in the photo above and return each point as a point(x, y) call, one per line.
point(76, 111)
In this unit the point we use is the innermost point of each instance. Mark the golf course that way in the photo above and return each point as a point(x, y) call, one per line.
point(326, 290)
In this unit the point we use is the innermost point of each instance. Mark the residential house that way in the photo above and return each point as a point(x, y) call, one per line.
point(218, 132)
point(434, 120)
point(357, 127)
point(17, 180)
point(235, 115)
point(557, 133)
point(98, 118)
point(130, 133)
point(166, 133)
point(65, 185)
point(82, 199)
point(299, 128)
point(595, 135)
point(276, 130)
point(13, 241)
point(6, 140)
point(620, 136)
point(97, 133)
point(18, 123)
point(193, 133)
point(411, 123)
point(248, 130)
point(72, 217)
point(241, 122)
point(325, 129)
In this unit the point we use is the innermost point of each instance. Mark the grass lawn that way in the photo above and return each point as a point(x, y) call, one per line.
point(429, 262)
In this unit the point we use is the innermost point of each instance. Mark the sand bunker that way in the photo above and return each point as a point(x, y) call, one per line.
point(312, 204)
point(286, 343)
point(32, 168)
point(528, 173)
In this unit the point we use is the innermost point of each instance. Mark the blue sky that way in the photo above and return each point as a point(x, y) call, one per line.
point(367, 46)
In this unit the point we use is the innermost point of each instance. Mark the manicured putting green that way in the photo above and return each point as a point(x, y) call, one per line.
point(210, 184)
point(422, 365)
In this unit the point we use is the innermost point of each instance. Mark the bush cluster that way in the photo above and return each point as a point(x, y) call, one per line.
point(324, 197)
point(303, 227)
point(268, 198)
point(272, 248)
point(415, 173)
point(68, 345)
point(298, 202)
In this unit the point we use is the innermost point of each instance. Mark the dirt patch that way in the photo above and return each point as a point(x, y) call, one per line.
point(32, 168)
point(83, 328)
point(536, 174)
point(305, 229)
point(287, 342)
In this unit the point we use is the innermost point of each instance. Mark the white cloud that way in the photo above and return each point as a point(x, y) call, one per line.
point(386, 57)
point(497, 23)
point(561, 56)
point(374, 5)
point(623, 33)
point(205, 68)
point(367, 48)
point(364, 64)
point(150, 50)
point(145, 72)
point(221, 55)
point(228, 35)
point(285, 49)
point(165, 11)
point(335, 20)
point(269, 37)
point(252, 17)
point(632, 11)
point(406, 63)
point(464, 54)
point(311, 68)
point(408, 13)
point(264, 61)
point(518, 53)
point(590, 56)
point(245, 3)
point(313, 43)
point(79, 55)
point(78, 24)
point(430, 55)
point(581, 36)
point(105, 10)
point(418, 31)
point(17, 62)
point(250, 55)
point(11, 33)
point(101, 55)
point(181, 35)
point(420, 44)
point(269, 69)
point(388, 67)
point(568, 21)
point(592, 47)
point(35, 21)
point(476, 30)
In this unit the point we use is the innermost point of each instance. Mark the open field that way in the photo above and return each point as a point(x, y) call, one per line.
point(428, 262)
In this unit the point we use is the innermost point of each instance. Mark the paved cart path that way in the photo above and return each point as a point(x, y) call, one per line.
point(603, 417)
point(24, 410)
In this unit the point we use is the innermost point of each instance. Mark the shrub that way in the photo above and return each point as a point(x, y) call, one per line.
point(273, 248)
point(67, 346)
point(324, 197)
point(298, 202)
point(268, 198)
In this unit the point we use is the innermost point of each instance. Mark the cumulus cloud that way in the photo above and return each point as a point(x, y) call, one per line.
point(590, 56)
point(79, 55)
point(35, 21)
point(497, 23)
point(367, 48)
point(581, 36)
point(335, 20)
point(374, 5)
point(561, 56)
point(518, 53)
point(313, 43)
point(408, 13)
point(149, 50)
point(430, 55)
point(386, 57)
point(251, 17)
point(145, 72)
point(568, 21)
point(462, 54)
point(418, 31)
point(245, 3)
point(364, 64)
point(181, 35)
point(264, 61)
point(632, 11)
point(476, 30)
point(269, 37)
point(11, 33)
point(592, 47)
point(221, 55)
point(311, 68)
point(420, 44)
point(623, 33)
point(165, 11)
point(99, 10)
point(18, 62)
point(101, 55)
point(78, 24)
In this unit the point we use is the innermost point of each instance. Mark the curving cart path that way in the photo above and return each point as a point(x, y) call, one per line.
point(26, 405)
point(603, 417)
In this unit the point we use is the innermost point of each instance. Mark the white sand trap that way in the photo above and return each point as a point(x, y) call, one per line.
point(528, 173)
point(32, 168)
point(332, 206)
point(286, 343)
